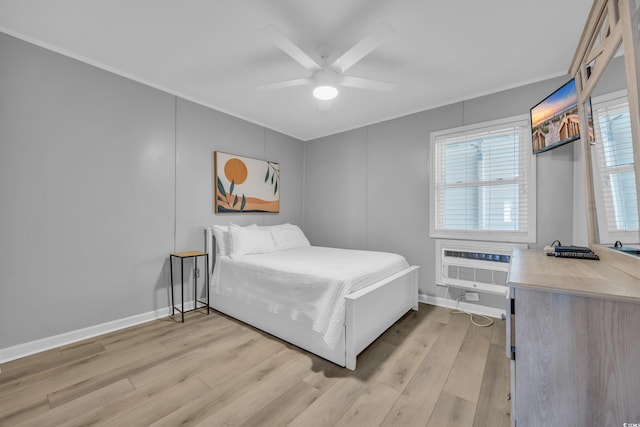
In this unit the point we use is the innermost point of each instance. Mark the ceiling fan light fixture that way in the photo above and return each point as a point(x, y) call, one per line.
point(325, 92)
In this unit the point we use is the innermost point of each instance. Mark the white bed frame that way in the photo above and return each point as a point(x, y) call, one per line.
point(369, 312)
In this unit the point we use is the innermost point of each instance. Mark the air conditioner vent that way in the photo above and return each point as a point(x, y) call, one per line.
point(452, 271)
point(481, 266)
point(482, 256)
point(484, 276)
point(466, 273)
point(499, 277)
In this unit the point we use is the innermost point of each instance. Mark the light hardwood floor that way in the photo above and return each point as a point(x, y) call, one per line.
point(431, 368)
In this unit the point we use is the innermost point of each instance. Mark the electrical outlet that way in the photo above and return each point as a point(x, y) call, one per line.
point(471, 296)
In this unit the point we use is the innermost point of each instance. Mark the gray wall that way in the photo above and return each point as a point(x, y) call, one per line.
point(369, 188)
point(100, 179)
point(201, 131)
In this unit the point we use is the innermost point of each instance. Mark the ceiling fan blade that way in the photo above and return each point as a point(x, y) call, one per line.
point(290, 48)
point(364, 47)
point(283, 84)
point(368, 84)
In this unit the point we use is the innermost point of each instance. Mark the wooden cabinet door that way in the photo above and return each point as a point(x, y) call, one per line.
point(577, 360)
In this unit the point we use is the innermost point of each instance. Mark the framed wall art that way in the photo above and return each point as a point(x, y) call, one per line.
point(244, 184)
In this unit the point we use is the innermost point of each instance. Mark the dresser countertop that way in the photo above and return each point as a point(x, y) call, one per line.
point(533, 269)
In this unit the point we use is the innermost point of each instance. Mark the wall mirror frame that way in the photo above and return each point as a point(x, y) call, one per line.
point(612, 25)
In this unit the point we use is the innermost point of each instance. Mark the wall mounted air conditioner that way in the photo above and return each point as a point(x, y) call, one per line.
point(478, 266)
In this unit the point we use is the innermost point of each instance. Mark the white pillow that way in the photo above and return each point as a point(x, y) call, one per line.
point(221, 233)
point(245, 241)
point(289, 238)
point(276, 227)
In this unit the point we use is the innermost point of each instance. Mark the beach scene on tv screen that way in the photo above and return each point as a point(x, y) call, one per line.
point(555, 120)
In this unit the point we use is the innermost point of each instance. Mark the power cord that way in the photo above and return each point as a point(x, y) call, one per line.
point(458, 310)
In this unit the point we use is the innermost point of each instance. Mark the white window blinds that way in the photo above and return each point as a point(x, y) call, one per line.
point(482, 182)
point(614, 171)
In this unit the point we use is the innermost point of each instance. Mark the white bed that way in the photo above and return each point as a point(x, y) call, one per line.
point(331, 302)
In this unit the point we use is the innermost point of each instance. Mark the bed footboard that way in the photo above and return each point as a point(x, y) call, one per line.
point(372, 310)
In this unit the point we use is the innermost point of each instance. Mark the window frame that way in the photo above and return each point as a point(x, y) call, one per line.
point(525, 236)
point(605, 235)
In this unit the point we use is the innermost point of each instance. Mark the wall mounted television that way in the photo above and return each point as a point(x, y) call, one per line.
point(554, 120)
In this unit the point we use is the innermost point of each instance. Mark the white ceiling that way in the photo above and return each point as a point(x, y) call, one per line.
point(211, 51)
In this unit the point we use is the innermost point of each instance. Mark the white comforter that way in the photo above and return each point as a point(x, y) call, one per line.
point(309, 282)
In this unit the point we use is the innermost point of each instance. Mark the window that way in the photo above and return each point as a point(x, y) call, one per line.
point(483, 182)
point(614, 176)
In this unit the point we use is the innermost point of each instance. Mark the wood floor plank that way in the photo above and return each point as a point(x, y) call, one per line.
point(285, 408)
point(227, 385)
point(36, 388)
point(267, 390)
point(197, 360)
point(398, 332)
point(49, 356)
point(371, 407)
point(456, 330)
point(258, 361)
point(212, 363)
point(499, 336)
point(31, 407)
point(162, 330)
point(494, 407)
point(416, 403)
point(46, 381)
point(406, 360)
point(465, 378)
point(159, 407)
point(452, 411)
point(186, 337)
point(80, 368)
point(168, 383)
point(214, 370)
point(332, 405)
point(435, 313)
point(22, 368)
point(324, 374)
point(143, 332)
point(57, 416)
point(118, 372)
point(477, 339)
point(127, 402)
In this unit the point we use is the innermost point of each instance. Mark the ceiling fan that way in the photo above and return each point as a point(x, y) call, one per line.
point(326, 77)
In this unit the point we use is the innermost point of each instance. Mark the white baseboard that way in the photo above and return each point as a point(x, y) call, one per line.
point(469, 308)
point(32, 347)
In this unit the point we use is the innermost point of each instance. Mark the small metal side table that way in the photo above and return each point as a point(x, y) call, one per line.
point(195, 255)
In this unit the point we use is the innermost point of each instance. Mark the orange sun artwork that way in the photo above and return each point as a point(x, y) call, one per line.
point(236, 171)
point(243, 184)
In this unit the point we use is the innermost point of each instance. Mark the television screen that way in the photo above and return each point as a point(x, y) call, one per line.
point(554, 120)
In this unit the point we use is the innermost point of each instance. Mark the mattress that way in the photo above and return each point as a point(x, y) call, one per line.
point(307, 283)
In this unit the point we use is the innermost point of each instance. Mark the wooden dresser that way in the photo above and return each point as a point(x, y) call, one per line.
point(574, 328)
